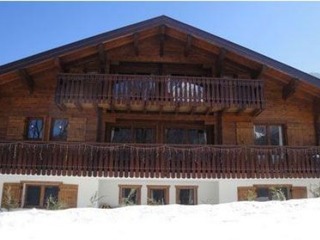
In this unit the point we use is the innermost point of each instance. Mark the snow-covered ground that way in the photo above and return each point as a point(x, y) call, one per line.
point(294, 220)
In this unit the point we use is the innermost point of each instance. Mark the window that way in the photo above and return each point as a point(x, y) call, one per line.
point(34, 129)
point(59, 129)
point(37, 195)
point(185, 136)
point(268, 135)
point(267, 193)
point(132, 135)
point(158, 195)
point(129, 195)
point(186, 195)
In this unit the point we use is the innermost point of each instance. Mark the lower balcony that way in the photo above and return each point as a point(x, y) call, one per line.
point(168, 94)
point(158, 161)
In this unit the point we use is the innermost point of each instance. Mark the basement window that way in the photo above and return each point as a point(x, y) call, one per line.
point(186, 195)
point(158, 195)
point(129, 195)
point(37, 196)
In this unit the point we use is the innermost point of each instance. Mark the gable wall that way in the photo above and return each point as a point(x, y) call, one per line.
point(295, 114)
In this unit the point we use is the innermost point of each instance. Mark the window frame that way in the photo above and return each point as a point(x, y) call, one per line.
point(52, 127)
point(158, 187)
point(131, 126)
point(195, 193)
point(27, 123)
point(42, 186)
point(186, 127)
point(268, 134)
point(287, 186)
point(124, 186)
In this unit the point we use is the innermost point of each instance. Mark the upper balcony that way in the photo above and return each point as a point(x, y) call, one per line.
point(152, 93)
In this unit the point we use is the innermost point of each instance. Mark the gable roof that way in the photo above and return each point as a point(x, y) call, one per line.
point(172, 23)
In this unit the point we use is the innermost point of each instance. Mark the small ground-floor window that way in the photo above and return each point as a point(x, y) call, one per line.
point(129, 194)
point(158, 195)
point(34, 194)
point(186, 195)
point(39, 195)
point(271, 192)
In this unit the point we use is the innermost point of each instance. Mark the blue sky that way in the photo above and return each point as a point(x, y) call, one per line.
point(287, 31)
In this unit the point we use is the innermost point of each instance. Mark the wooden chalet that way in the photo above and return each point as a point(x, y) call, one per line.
point(157, 112)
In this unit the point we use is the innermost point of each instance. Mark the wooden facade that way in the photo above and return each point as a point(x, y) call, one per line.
point(159, 75)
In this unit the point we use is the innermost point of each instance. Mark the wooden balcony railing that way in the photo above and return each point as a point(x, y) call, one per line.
point(158, 161)
point(152, 93)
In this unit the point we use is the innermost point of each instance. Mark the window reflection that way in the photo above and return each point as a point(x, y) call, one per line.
point(34, 129)
point(59, 130)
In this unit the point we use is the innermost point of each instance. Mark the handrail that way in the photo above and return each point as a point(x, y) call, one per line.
point(159, 160)
point(163, 90)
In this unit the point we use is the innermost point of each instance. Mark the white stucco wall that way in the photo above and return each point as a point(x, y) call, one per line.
point(208, 190)
point(211, 191)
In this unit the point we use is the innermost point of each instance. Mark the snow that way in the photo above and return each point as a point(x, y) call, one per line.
point(293, 219)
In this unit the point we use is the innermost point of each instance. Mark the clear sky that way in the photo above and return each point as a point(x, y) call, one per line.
point(288, 31)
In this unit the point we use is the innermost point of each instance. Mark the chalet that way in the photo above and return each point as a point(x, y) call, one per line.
point(158, 112)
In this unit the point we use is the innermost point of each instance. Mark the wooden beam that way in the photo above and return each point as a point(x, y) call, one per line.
point(26, 79)
point(136, 44)
point(289, 89)
point(162, 38)
point(220, 62)
point(188, 45)
point(58, 65)
point(102, 58)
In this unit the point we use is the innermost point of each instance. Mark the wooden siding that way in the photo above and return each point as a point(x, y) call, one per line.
point(154, 160)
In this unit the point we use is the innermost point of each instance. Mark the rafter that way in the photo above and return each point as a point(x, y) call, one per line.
point(220, 62)
point(136, 44)
point(188, 45)
point(289, 89)
point(102, 58)
point(26, 79)
point(162, 38)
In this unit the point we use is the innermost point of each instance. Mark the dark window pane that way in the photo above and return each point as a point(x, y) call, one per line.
point(129, 196)
point(263, 194)
point(121, 135)
point(186, 196)
point(196, 136)
point(144, 135)
point(59, 129)
point(175, 136)
point(158, 196)
point(50, 191)
point(260, 135)
point(275, 135)
point(32, 196)
point(35, 129)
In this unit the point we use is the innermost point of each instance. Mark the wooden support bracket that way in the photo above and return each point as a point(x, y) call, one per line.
point(102, 58)
point(220, 62)
point(188, 45)
point(26, 79)
point(162, 38)
point(289, 89)
point(136, 44)
point(260, 72)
